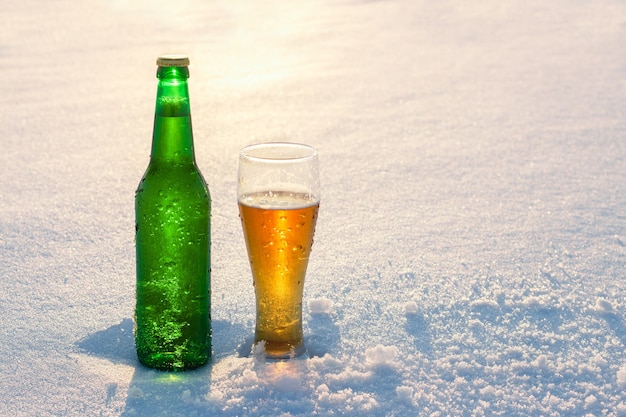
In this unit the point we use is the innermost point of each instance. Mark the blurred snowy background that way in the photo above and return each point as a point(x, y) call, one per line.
point(471, 247)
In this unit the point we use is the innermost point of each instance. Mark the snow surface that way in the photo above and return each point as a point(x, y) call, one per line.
point(471, 246)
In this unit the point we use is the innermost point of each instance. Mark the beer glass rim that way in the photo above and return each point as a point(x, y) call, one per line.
point(278, 152)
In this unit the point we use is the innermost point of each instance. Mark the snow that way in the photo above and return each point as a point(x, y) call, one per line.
point(469, 257)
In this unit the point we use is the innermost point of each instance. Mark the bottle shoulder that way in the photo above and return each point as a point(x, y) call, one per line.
point(183, 180)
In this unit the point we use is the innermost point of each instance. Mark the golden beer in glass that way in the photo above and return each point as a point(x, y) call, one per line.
point(278, 196)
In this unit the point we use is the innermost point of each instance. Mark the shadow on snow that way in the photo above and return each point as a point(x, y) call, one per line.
point(152, 392)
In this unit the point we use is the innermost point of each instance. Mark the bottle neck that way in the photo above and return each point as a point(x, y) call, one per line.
point(172, 139)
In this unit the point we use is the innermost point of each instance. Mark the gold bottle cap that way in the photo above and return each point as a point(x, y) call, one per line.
point(173, 60)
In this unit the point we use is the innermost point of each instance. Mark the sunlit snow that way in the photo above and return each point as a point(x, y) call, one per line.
point(469, 256)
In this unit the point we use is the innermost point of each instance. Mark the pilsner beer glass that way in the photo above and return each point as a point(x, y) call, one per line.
point(279, 195)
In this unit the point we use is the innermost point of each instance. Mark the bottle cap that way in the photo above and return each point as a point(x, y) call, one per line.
point(173, 60)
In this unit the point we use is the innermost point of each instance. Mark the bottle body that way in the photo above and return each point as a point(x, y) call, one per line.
point(172, 233)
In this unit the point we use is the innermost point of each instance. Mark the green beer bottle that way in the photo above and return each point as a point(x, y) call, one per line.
point(172, 233)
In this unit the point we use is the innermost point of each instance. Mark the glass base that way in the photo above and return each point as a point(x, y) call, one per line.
point(277, 350)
